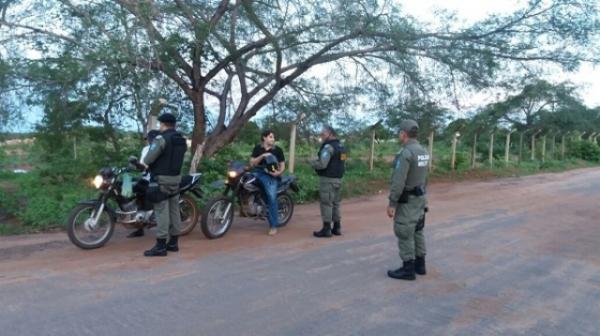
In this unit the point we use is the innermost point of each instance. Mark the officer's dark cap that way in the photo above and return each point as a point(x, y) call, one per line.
point(408, 125)
point(167, 118)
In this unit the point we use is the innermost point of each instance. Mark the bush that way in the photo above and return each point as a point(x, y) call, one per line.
point(585, 151)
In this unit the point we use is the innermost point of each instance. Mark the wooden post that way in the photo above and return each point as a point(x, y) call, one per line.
point(521, 147)
point(533, 144)
point(292, 159)
point(563, 145)
point(474, 151)
point(507, 148)
point(431, 151)
point(75, 148)
point(491, 150)
point(372, 151)
point(453, 158)
point(544, 148)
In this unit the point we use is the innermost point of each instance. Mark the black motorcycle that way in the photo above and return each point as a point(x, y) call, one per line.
point(242, 184)
point(92, 222)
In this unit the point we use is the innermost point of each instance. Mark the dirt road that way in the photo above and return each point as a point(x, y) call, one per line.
point(516, 256)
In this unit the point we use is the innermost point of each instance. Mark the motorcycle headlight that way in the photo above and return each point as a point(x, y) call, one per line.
point(98, 180)
point(232, 174)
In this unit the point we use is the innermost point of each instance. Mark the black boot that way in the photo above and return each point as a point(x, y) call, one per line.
point(172, 246)
point(325, 231)
point(159, 250)
point(337, 229)
point(137, 233)
point(420, 266)
point(406, 272)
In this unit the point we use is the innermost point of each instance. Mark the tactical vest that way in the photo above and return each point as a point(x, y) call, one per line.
point(337, 163)
point(419, 165)
point(170, 161)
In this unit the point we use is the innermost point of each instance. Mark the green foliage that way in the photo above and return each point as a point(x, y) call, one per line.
point(585, 150)
point(39, 203)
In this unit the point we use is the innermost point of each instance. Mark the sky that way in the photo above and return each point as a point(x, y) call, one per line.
point(471, 11)
point(468, 12)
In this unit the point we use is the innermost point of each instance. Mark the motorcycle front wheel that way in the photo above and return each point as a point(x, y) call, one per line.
point(217, 217)
point(87, 233)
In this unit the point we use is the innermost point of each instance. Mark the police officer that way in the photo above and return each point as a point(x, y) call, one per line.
point(407, 202)
point(164, 160)
point(330, 166)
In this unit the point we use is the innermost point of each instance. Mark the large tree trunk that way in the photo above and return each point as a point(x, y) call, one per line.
point(199, 132)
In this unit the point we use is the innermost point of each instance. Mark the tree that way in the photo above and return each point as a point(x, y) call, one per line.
point(525, 109)
point(238, 55)
point(431, 116)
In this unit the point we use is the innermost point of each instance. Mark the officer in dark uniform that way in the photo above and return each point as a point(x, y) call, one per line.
point(407, 202)
point(164, 161)
point(330, 166)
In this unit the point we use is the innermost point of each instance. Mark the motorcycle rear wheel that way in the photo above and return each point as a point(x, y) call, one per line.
point(285, 204)
point(189, 214)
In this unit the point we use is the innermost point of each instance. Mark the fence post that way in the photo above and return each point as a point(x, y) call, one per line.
point(544, 148)
point(372, 150)
point(453, 159)
point(533, 144)
point(491, 150)
point(592, 136)
point(521, 147)
point(507, 147)
point(562, 145)
point(474, 151)
point(292, 159)
point(75, 148)
point(431, 151)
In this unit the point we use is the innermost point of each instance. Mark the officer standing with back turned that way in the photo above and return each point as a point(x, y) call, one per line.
point(164, 160)
point(330, 166)
point(407, 202)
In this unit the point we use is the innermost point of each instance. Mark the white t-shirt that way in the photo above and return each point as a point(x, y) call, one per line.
point(146, 175)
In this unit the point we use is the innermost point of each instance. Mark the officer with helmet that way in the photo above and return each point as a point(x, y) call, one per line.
point(269, 164)
point(164, 161)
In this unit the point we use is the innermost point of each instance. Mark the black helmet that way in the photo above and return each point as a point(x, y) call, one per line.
point(271, 164)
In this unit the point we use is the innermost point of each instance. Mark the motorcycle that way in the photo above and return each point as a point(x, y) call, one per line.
point(92, 222)
point(242, 185)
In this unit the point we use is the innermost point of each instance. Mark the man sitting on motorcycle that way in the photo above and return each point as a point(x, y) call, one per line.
point(141, 186)
point(269, 164)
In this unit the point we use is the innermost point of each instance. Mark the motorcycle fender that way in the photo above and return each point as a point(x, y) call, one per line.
point(96, 203)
